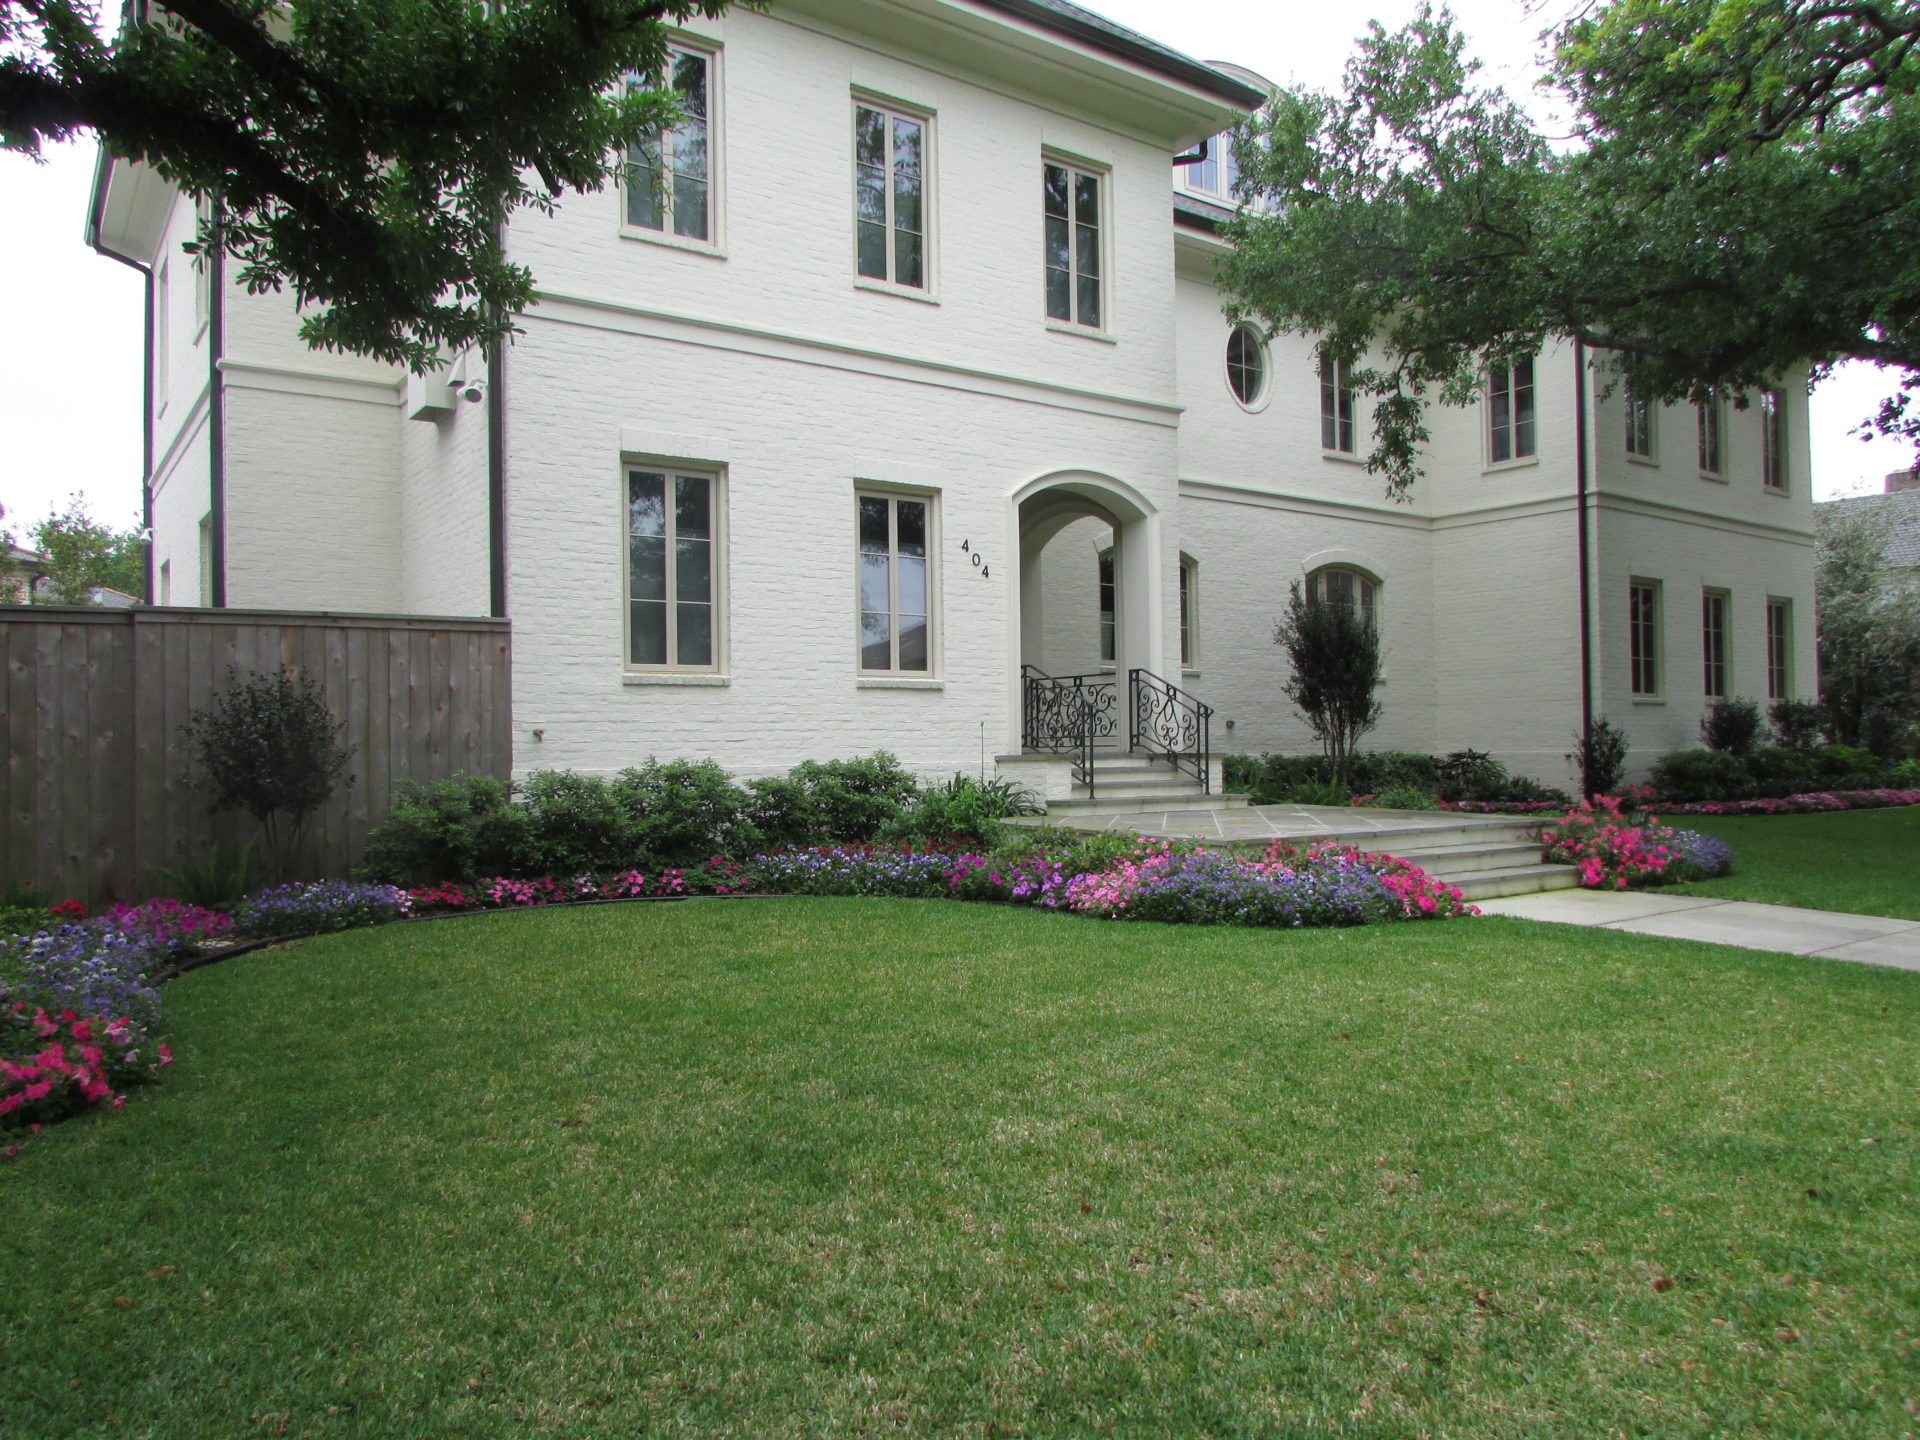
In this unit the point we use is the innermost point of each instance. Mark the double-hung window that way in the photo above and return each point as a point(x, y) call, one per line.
point(1710, 436)
point(1779, 649)
point(1773, 441)
point(890, 200)
point(1639, 427)
point(1510, 425)
point(1643, 636)
point(1189, 613)
point(1336, 407)
point(670, 170)
point(1072, 219)
point(673, 593)
point(1107, 641)
point(896, 591)
point(1713, 643)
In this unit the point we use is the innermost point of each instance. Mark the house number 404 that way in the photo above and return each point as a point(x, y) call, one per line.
point(979, 562)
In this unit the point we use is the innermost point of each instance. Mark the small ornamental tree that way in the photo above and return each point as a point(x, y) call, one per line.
point(1334, 654)
point(269, 746)
point(1602, 753)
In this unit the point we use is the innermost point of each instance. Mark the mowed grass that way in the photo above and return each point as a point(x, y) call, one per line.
point(1866, 862)
point(844, 1167)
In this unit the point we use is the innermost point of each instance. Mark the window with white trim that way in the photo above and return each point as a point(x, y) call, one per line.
point(894, 540)
point(890, 202)
point(1714, 605)
point(1246, 365)
point(1336, 407)
point(1710, 437)
point(673, 569)
point(1073, 242)
point(669, 176)
point(1510, 418)
point(1779, 649)
point(1643, 636)
point(1639, 427)
point(1773, 441)
point(1189, 612)
point(1345, 587)
point(1107, 592)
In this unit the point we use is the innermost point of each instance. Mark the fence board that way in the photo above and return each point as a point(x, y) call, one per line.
point(95, 795)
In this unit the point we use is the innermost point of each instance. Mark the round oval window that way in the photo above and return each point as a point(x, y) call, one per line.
point(1246, 364)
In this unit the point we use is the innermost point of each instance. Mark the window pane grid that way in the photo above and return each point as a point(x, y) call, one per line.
point(1779, 649)
point(1071, 224)
point(1639, 428)
point(1510, 418)
point(1336, 408)
point(1246, 364)
point(1643, 637)
point(1106, 607)
point(670, 570)
point(1188, 647)
point(669, 170)
point(1713, 643)
point(1710, 437)
point(895, 589)
point(890, 196)
point(1773, 441)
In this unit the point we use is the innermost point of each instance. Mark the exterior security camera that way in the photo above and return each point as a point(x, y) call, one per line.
point(473, 390)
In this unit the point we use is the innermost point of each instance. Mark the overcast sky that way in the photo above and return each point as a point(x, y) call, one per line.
point(70, 369)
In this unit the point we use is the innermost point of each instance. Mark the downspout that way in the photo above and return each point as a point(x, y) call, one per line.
point(1584, 547)
point(217, 418)
point(497, 479)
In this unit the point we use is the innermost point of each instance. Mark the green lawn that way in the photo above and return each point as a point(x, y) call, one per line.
point(843, 1167)
point(1863, 861)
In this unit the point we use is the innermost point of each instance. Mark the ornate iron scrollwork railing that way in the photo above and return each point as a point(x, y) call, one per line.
point(1068, 714)
point(1169, 724)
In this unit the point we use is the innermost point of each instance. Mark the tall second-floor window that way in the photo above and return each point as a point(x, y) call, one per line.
point(889, 182)
point(1072, 202)
point(1639, 427)
point(1510, 411)
point(1710, 436)
point(1773, 440)
point(1336, 407)
point(670, 171)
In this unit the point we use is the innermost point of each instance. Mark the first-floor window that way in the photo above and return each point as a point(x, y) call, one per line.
point(1643, 635)
point(1710, 436)
point(1779, 649)
point(672, 595)
point(1336, 407)
point(1106, 606)
point(1189, 613)
point(1713, 642)
point(1349, 589)
point(895, 590)
point(1510, 411)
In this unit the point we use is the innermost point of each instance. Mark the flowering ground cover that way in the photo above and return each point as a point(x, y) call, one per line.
point(1865, 863)
point(875, 1167)
point(1613, 853)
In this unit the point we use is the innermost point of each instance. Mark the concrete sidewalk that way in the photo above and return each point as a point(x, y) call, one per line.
point(1870, 939)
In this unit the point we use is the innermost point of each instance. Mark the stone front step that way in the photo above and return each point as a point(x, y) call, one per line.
point(1518, 880)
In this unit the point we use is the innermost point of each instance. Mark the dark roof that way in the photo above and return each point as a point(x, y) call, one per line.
point(1901, 509)
point(1082, 24)
point(1197, 214)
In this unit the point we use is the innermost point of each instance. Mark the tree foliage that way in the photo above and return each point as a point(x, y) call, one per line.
point(80, 555)
point(1333, 651)
point(1737, 203)
point(1868, 620)
point(364, 153)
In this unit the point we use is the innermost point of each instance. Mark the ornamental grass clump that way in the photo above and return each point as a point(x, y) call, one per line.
point(318, 908)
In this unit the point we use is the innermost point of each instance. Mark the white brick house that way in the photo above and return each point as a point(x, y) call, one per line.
point(738, 372)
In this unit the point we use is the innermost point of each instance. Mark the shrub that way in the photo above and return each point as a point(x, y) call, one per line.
point(1274, 779)
point(1797, 723)
point(1379, 770)
point(1780, 771)
point(1333, 658)
point(1472, 775)
point(22, 919)
point(1732, 726)
point(1688, 775)
point(1319, 792)
point(962, 811)
point(682, 811)
point(316, 909)
point(1602, 755)
point(573, 822)
point(1406, 797)
point(270, 747)
point(215, 881)
point(1847, 766)
point(450, 829)
point(1905, 775)
point(831, 801)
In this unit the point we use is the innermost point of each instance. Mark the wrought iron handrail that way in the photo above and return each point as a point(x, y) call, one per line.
point(1068, 714)
point(1168, 723)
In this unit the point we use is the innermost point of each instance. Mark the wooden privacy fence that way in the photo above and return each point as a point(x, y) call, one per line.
point(98, 788)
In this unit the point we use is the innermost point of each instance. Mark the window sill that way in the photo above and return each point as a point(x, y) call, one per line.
point(664, 677)
point(887, 287)
point(1649, 699)
point(1716, 479)
point(1496, 466)
point(674, 242)
point(1778, 492)
point(1651, 462)
point(1062, 327)
point(1342, 457)
point(895, 682)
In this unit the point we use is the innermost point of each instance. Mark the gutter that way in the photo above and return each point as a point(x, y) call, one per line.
point(100, 247)
point(1064, 21)
point(497, 479)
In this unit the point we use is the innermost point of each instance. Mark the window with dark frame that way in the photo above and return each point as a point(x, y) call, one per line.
point(671, 580)
point(1510, 413)
point(1349, 589)
point(895, 591)
point(1639, 427)
point(1189, 646)
point(1710, 436)
point(1246, 364)
point(1773, 441)
point(1107, 648)
point(1713, 643)
point(1336, 407)
point(890, 195)
point(1072, 221)
point(1643, 636)
point(669, 171)
point(1779, 649)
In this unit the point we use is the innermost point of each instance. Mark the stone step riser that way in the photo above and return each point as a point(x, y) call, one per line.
point(1445, 867)
point(1530, 881)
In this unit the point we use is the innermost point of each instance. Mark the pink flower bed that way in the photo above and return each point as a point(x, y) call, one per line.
point(1810, 804)
point(79, 1060)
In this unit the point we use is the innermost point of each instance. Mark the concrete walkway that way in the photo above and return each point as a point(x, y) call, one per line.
point(1829, 934)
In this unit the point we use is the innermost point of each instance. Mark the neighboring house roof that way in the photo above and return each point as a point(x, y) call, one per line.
point(1082, 24)
point(1901, 509)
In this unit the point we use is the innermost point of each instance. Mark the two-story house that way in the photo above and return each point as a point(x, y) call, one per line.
point(896, 376)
